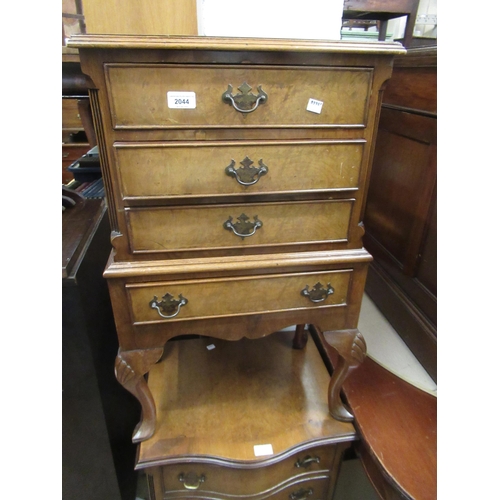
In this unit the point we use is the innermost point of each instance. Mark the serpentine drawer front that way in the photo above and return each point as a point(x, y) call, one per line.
point(235, 173)
point(253, 95)
point(311, 467)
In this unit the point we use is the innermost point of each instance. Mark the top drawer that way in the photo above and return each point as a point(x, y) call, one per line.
point(279, 96)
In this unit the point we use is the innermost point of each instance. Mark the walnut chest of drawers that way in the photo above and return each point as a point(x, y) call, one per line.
point(236, 173)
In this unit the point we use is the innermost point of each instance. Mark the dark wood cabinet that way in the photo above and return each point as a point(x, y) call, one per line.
point(401, 210)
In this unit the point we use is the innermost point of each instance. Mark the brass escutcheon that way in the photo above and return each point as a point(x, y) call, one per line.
point(168, 305)
point(318, 293)
point(191, 480)
point(301, 494)
point(245, 175)
point(306, 461)
point(245, 227)
point(246, 102)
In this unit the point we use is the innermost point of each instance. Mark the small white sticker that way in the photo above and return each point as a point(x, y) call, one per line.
point(261, 450)
point(314, 106)
point(183, 100)
point(210, 347)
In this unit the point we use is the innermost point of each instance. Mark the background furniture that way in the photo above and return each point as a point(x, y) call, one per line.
point(382, 11)
point(401, 214)
point(77, 128)
point(397, 425)
point(97, 415)
point(220, 403)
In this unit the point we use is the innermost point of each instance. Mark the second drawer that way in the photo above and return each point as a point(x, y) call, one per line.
point(169, 170)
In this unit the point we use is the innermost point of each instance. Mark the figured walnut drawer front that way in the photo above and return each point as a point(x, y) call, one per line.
point(313, 487)
point(169, 170)
point(167, 229)
point(304, 467)
point(223, 297)
point(138, 95)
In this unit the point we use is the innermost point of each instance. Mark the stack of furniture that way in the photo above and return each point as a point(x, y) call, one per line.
point(236, 174)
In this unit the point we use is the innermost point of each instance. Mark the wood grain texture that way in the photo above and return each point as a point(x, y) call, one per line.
point(278, 394)
point(154, 17)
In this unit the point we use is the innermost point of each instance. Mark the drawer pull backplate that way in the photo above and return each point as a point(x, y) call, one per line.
point(191, 480)
point(301, 494)
point(168, 305)
point(245, 227)
point(246, 175)
point(246, 102)
point(318, 293)
point(306, 461)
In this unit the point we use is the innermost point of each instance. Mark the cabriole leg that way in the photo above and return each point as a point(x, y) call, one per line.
point(351, 348)
point(130, 368)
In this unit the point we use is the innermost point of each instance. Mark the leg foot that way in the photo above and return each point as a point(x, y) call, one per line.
point(300, 338)
point(130, 368)
point(351, 348)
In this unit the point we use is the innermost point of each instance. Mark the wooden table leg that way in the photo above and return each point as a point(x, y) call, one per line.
point(130, 368)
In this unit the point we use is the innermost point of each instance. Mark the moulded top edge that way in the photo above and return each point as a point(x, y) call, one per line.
point(234, 43)
point(279, 262)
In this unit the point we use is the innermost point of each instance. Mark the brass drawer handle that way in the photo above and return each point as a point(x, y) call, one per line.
point(245, 175)
point(307, 461)
point(246, 102)
point(318, 293)
point(245, 227)
point(168, 305)
point(301, 494)
point(191, 480)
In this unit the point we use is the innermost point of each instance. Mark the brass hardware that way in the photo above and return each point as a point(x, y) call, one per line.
point(307, 461)
point(318, 293)
point(301, 494)
point(246, 102)
point(168, 305)
point(191, 480)
point(244, 227)
point(245, 175)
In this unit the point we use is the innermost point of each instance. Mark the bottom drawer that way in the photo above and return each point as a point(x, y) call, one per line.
point(248, 481)
point(160, 301)
point(307, 486)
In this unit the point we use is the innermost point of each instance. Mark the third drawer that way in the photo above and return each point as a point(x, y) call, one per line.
point(205, 228)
